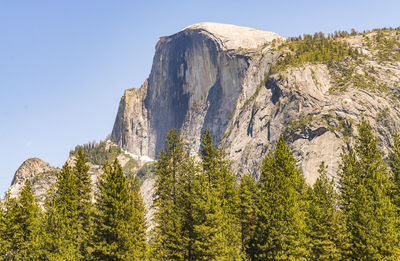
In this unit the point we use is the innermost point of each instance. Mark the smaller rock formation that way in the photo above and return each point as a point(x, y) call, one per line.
point(40, 173)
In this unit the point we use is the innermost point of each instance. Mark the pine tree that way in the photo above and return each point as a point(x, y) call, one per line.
point(217, 226)
point(11, 233)
point(20, 226)
point(210, 242)
point(3, 227)
point(138, 223)
point(118, 235)
point(281, 229)
point(84, 204)
point(173, 233)
point(370, 215)
point(394, 161)
point(61, 222)
point(248, 194)
point(326, 227)
point(395, 167)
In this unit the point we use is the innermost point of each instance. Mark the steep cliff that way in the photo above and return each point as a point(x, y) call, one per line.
point(196, 78)
point(219, 77)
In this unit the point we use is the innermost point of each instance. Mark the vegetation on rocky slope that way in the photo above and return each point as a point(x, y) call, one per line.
point(203, 213)
point(98, 153)
point(313, 49)
point(350, 57)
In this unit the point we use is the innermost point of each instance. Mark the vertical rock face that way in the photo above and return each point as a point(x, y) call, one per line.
point(195, 81)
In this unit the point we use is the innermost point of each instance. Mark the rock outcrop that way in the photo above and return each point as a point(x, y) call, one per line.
point(218, 77)
point(40, 173)
point(196, 78)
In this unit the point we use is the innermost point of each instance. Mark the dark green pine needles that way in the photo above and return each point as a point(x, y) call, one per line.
point(366, 187)
point(328, 237)
point(196, 204)
point(280, 233)
point(201, 212)
point(119, 224)
point(19, 226)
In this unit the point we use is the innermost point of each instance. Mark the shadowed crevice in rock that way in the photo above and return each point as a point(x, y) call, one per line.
point(276, 92)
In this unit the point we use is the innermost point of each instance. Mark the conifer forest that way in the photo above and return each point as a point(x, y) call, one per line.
point(205, 211)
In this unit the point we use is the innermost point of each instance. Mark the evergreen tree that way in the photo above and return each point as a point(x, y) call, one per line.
point(20, 226)
point(394, 161)
point(326, 228)
point(173, 233)
point(138, 223)
point(3, 227)
point(370, 215)
point(248, 194)
point(395, 167)
point(119, 232)
point(84, 204)
point(61, 222)
point(217, 227)
point(281, 228)
point(11, 233)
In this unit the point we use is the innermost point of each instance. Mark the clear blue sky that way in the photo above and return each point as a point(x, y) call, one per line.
point(65, 64)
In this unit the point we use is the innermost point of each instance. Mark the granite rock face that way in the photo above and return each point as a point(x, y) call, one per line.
point(41, 175)
point(218, 77)
point(195, 81)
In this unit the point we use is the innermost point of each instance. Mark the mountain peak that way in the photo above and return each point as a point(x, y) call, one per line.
point(235, 37)
point(29, 168)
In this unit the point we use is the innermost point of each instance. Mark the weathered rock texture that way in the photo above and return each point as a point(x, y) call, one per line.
point(218, 77)
point(40, 173)
point(196, 78)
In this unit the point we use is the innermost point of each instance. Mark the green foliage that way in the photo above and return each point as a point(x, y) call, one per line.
point(365, 188)
point(196, 205)
point(248, 194)
point(146, 170)
point(119, 225)
point(347, 74)
point(131, 165)
point(67, 223)
point(313, 49)
point(326, 227)
point(202, 214)
point(217, 226)
point(281, 228)
point(84, 204)
point(299, 123)
point(172, 235)
point(61, 226)
point(99, 153)
point(386, 43)
point(339, 124)
point(394, 161)
point(19, 226)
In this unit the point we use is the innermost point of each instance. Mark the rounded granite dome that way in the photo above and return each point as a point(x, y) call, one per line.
point(29, 168)
point(235, 37)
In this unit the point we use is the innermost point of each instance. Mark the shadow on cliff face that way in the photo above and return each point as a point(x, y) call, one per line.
point(213, 119)
point(167, 100)
point(276, 91)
